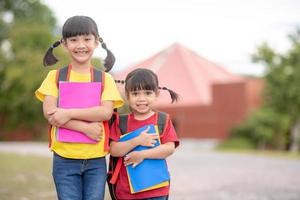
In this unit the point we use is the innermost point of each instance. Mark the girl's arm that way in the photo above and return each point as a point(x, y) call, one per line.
point(97, 113)
point(120, 149)
point(59, 116)
point(160, 152)
point(91, 129)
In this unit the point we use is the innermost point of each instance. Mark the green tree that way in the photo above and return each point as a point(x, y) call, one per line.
point(277, 123)
point(282, 92)
point(27, 30)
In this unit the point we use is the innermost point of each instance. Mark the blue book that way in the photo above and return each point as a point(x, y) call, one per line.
point(151, 173)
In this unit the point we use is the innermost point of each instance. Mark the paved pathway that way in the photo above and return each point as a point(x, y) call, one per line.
point(201, 173)
point(209, 175)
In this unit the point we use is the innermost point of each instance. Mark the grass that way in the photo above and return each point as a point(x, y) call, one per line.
point(243, 145)
point(26, 177)
point(265, 153)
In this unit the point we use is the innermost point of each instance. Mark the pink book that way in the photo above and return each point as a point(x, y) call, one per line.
point(77, 95)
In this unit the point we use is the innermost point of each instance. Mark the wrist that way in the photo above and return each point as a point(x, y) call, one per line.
point(70, 113)
point(84, 128)
point(136, 141)
point(143, 154)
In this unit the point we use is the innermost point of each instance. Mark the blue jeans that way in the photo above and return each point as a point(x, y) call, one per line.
point(79, 179)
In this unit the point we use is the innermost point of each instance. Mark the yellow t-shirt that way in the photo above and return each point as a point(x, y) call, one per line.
point(78, 150)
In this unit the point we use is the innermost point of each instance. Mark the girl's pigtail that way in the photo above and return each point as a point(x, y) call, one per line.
point(120, 81)
point(49, 58)
point(110, 58)
point(174, 95)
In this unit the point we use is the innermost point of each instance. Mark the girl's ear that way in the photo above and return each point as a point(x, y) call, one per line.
point(64, 43)
point(97, 41)
point(157, 93)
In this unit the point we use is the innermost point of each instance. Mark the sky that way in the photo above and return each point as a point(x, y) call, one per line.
point(226, 32)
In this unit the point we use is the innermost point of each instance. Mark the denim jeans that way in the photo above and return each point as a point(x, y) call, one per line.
point(79, 179)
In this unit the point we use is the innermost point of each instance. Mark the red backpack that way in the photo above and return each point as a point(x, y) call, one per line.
point(115, 163)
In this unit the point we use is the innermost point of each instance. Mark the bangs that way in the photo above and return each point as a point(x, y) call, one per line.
point(79, 25)
point(140, 82)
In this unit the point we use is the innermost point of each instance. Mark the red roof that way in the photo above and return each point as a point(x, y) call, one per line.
point(185, 72)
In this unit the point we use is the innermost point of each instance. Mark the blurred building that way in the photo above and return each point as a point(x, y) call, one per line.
point(212, 100)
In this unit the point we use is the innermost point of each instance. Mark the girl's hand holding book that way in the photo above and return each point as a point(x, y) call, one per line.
point(146, 139)
point(133, 158)
point(94, 131)
point(58, 117)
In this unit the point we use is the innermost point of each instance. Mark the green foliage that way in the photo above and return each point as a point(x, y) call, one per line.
point(237, 143)
point(264, 128)
point(24, 40)
point(27, 37)
point(283, 77)
point(270, 126)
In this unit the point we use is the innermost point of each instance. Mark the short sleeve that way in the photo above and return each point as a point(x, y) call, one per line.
point(111, 92)
point(48, 87)
point(169, 135)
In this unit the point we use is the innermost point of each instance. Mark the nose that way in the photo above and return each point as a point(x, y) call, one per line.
point(81, 44)
point(141, 97)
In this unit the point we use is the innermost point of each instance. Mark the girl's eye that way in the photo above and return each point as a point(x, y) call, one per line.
point(134, 93)
point(88, 39)
point(148, 92)
point(73, 39)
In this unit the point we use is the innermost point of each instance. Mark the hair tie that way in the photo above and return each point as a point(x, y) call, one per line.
point(56, 44)
point(163, 88)
point(103, 45)
point(120, 81)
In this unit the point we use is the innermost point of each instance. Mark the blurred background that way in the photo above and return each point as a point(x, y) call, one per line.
point(235, 64)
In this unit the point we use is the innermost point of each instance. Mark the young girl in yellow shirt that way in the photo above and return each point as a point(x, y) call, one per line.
point(79, 169)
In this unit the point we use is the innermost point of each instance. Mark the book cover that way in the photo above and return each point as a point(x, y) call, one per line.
point(151, 173)
point(77, 95)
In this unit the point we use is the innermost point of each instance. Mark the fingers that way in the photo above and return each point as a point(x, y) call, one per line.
point(51, 112)
point(98, 138)
point(147, 129)
point(127, 160)
point(154, 136)
point(134, 165)
point(53, 122)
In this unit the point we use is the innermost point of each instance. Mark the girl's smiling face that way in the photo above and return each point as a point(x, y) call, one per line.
point(141, 102)
point(81, 48)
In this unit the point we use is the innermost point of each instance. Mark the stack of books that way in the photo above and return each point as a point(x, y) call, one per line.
point(151, 173)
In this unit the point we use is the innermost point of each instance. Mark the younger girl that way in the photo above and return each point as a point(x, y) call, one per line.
point(79, 169)
point(142, 90)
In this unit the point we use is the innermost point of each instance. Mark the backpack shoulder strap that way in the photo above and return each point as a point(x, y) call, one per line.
point(123, 123)
point(97, 74)
point(161, 121)
point(62, 74)
point(162, 118)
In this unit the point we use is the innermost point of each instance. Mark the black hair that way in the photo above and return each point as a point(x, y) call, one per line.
point(79, 25)
point(144, 79)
